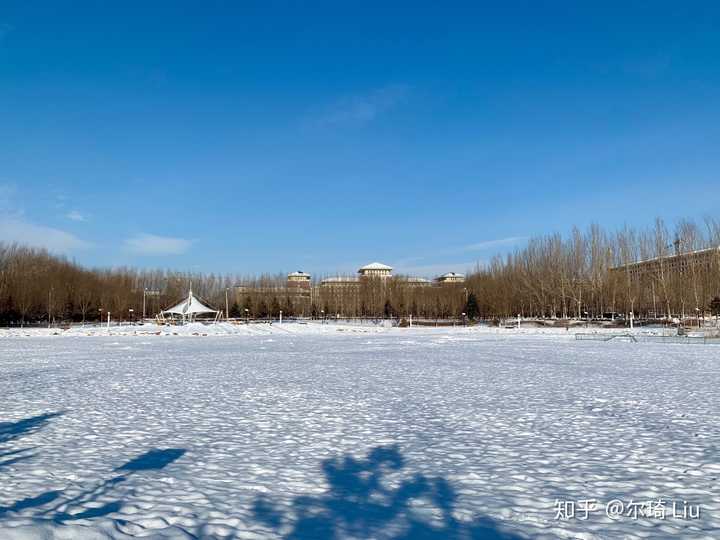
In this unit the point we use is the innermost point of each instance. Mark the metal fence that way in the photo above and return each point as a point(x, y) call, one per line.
point(604, 337)
point(685, 340)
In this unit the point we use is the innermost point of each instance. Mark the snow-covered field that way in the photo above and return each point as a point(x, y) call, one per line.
point(308, 432)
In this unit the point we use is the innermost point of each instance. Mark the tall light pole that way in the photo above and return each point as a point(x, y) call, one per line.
point(144, 294)
point(227, 311)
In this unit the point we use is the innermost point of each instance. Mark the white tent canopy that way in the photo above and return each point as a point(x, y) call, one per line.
point(189, 308)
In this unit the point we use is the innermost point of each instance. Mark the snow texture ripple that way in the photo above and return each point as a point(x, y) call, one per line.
point(404, 433)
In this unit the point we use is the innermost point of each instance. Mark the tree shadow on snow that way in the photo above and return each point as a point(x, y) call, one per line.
point(152, 460)
point(9, 431)
point(359, 504)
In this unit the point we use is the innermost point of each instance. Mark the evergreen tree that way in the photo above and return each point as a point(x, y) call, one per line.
point(471, 307)
point(388, 309)
point(715, 306)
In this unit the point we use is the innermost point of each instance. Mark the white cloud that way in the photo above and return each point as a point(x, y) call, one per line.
point(361, 109)
point(74, 215)
point(13, 228)
point(151, 244)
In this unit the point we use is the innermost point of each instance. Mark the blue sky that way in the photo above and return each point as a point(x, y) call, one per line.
point(251, 137)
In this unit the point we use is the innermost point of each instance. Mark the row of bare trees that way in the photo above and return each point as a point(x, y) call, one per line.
point(38, 286)
point(589, 273)
point(393, 297)
point(364, 298)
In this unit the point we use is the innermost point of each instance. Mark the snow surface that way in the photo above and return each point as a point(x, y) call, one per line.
point(320, 431)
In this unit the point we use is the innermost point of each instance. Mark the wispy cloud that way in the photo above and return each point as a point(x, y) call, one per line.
point(424, 265)
point(74, 215)
point(360, 109)
point(14, 228)
point(492, 244)
point(151, 244)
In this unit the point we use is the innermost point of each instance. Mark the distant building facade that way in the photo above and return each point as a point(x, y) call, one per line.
point(372, 290)
point(376, 269)
point(295, 295)
point(451, 277)
point(675, 265)
point(299, 280)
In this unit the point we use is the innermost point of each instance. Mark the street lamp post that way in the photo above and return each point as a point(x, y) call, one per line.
point(281, 316)
point(144, 293)
point(227, 311)
point(49, 305)
point(247, 316)
point(132, 315)
point(322, 315)
point(463, 318)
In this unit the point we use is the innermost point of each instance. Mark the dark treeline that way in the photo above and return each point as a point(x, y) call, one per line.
point(586, 274)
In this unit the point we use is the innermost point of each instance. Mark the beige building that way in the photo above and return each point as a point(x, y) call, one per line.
point(376, 269)
point(299, 279)
point(677, 264)
point(340, 281)
point(411, 281)
point(450, 277)
point(372, 270)
point(383, 271)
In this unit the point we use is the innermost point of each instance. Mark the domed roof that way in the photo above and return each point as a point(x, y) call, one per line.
point(375, 266)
